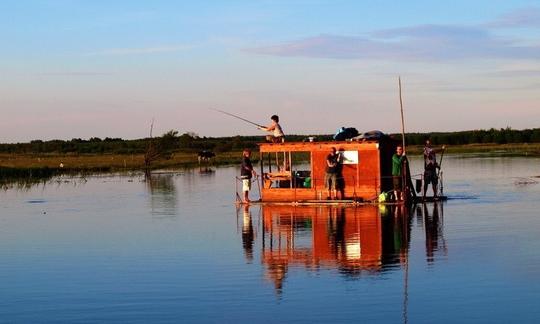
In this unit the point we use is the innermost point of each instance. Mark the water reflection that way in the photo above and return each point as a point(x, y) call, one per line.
point(24, 178)
point(432, 216)
point(355, 241)
point(162, 193)
point(395, 235)
point(206, 170)
point(248, 233)
point(27, 183)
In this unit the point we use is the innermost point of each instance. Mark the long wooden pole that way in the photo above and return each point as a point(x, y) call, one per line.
point(440, 162)
point(402, 118)
point(405, 174)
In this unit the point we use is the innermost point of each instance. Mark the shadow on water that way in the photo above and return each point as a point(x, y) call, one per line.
point(355, 241)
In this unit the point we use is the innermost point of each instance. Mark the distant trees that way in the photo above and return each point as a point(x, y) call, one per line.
point(160, 148)
point(498, 136)
point(190, 142)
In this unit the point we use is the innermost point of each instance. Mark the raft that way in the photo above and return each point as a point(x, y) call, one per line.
point(293, 173)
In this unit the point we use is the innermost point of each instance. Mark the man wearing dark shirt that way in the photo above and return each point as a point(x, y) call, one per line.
point(330, 177)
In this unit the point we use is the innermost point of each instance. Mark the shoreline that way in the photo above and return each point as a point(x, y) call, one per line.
point(73, 163)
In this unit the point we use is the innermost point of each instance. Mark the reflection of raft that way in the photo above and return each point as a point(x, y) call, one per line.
point(357, 241)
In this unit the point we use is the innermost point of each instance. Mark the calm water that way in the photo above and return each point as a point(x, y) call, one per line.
point(176, 249)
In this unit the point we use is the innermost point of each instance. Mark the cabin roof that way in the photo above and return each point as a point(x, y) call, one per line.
point(316, 146)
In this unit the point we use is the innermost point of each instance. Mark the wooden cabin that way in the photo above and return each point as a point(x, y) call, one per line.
point(295, 171)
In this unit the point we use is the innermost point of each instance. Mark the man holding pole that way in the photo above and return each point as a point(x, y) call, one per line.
point(246, 173)
point(398, 160)
point(430, 168)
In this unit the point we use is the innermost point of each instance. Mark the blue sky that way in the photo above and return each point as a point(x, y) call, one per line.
point(78, 69)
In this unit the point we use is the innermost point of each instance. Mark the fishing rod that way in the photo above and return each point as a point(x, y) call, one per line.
point(232, 115)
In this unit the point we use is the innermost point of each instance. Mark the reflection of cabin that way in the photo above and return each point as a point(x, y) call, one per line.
point(355, 240)
point(295, 171)
point(347, 238)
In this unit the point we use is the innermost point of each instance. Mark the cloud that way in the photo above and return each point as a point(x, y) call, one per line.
point(143, 50)
point(468, 88)
point(526, 17)
point(514, 73)
point(327, 46)
point(417, 43)
point(74, 73)
point(425, 43)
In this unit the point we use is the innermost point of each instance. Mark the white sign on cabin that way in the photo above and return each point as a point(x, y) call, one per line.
point(350, 157)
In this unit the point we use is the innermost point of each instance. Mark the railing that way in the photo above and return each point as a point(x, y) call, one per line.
point(318, 186)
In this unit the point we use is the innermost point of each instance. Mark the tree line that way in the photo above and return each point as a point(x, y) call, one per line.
point(170, 141)
point(191, 142)
point(497, 136)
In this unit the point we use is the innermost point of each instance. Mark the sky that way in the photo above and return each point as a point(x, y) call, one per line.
point(81, 69)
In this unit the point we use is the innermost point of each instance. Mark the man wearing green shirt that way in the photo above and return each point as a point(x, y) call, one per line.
point(397, 166)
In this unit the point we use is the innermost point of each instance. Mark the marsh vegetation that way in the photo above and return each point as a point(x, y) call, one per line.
point(44, 159)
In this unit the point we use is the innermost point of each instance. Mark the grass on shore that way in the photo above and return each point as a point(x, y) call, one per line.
point(514, 149)
point(105, 162)
point(118, 162)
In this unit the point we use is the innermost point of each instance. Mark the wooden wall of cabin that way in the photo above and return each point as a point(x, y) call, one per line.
point(361, 180)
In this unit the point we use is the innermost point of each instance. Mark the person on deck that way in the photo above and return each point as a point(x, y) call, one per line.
point(246, 173)
point(330, 177)
point(340, 180)
point(277, 132)
point(398, 160)
point(430, 168)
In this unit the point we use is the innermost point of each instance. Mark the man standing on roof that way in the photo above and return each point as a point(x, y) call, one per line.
point(246, 173)
point(277, 133)
point(430, 168)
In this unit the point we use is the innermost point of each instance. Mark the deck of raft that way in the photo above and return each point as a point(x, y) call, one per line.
point(347, 202)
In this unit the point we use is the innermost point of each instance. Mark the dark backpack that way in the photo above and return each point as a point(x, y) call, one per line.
point(345, 133)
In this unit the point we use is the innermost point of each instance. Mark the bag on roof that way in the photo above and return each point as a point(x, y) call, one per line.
point(345, 133)
point(372, 135)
